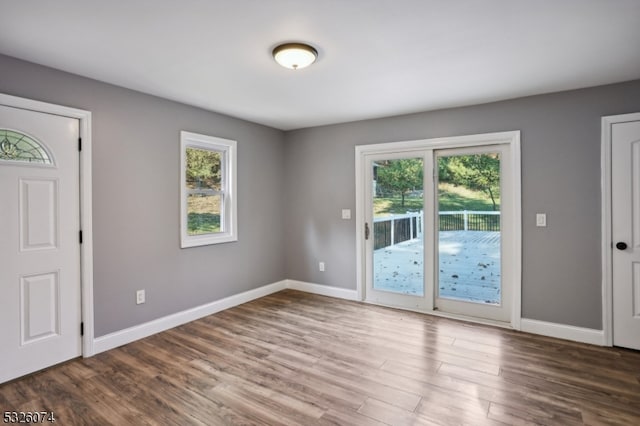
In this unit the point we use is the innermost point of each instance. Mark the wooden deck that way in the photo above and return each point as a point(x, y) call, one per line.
point(468, 266)
point(298, 359)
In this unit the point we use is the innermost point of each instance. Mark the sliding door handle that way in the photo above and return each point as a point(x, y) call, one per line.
point(366, 231)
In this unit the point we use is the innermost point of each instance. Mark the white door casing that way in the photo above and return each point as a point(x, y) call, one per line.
point(625, 232)
point(40, 277)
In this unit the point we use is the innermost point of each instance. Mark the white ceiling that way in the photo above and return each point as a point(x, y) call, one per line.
point(376, 57)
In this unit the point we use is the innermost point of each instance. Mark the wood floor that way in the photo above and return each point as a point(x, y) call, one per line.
point(299, 359)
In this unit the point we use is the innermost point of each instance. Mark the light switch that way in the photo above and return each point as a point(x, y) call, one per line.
point(541, 219)
point(346, 213)
point(140, 297)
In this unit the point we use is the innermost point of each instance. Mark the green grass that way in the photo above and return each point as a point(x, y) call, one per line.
point(203, 214)
point(450, 198)
point(203, 223)
point(455, 198)
point(393, 205)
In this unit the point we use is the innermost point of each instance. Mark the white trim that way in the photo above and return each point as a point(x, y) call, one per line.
point(516, 242)
point(131, 334)
point(86, 213)
point(324, 290)
point(512, 138)
point(361, 186)
point(606, 240)
point(496, 138)
point(137, 332)
point(562, 331)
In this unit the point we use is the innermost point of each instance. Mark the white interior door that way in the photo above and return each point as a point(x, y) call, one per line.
point(40, 311)
point(625, 231)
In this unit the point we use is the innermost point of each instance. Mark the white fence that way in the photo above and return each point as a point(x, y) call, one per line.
point(394, 229)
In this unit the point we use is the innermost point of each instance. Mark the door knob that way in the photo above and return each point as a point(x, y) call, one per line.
point(621, 246)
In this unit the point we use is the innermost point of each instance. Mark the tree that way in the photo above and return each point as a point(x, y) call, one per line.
point(480, 172)
point(203, 168)
point(444, 174)
point(400, 176)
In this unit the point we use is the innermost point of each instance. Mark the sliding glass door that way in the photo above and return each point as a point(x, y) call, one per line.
point(435, 229)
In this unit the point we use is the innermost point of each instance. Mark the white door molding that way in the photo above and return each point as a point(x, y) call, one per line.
point(512, 138)
point(606, 218)
point(86, 224)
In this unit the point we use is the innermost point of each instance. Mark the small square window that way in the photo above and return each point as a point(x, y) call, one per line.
point(208, 190)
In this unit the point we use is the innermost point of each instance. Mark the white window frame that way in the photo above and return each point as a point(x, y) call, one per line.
point(229, 211)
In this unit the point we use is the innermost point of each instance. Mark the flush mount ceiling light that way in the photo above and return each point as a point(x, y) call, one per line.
point(295, 55)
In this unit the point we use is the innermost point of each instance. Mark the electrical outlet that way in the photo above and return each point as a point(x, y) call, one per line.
point(346, 213)
point(321, 266)
point(140, 297)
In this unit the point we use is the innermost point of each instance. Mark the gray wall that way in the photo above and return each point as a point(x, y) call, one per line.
point(136, 148)
point(560, 176)
point(292, 187)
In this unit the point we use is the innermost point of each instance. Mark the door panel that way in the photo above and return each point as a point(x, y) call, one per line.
point(39, 247)
point(395, 221)
point(469, 240)
point(625, 200)
point(38, 214)
point(40, 298)
point(470, 233)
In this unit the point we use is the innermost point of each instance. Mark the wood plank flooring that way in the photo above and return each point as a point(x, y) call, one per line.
point(293, 358)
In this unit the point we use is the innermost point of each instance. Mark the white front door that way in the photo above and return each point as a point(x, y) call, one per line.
point(39, 241)
point(625, 231)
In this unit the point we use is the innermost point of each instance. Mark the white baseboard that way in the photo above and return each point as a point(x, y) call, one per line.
point(131, 334)
point(323, 290)
point(562, 331)
point(122, 337)
point(128, 335)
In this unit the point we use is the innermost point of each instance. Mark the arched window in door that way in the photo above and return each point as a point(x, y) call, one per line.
point(19, 147)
